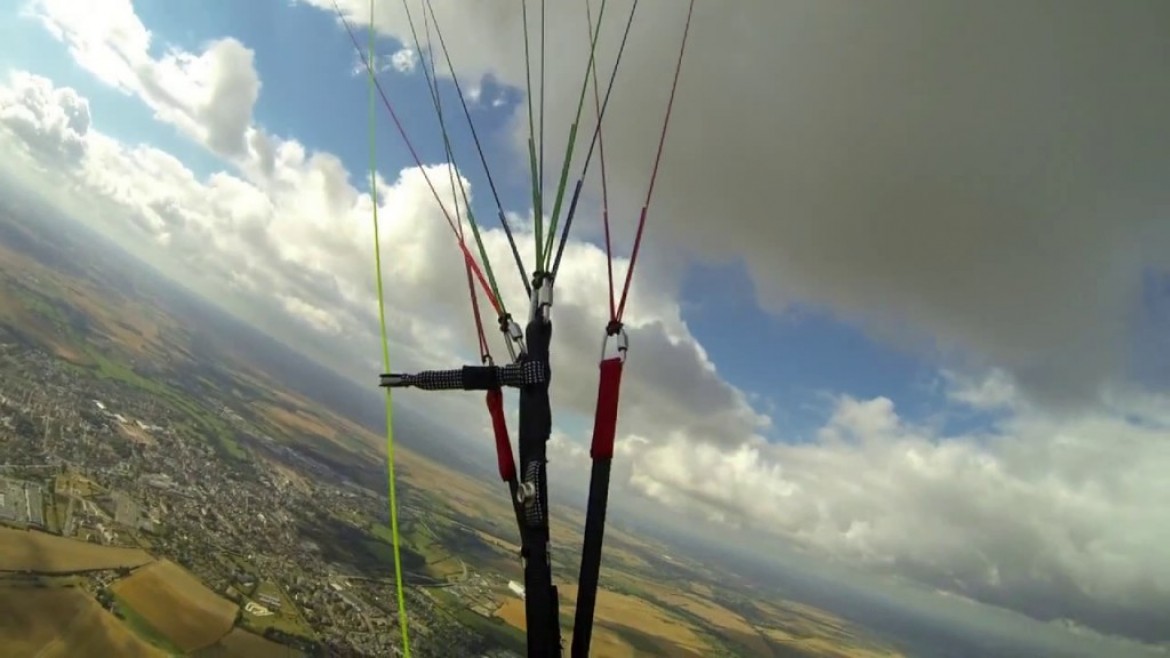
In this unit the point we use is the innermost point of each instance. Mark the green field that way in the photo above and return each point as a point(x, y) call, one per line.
point(142, 628)
point(201, 422)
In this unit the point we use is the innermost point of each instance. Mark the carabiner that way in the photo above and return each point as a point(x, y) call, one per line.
point(622, 341)
point(513, 336)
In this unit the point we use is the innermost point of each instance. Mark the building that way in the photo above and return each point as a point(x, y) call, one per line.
point(273, 602)
point(517, 588)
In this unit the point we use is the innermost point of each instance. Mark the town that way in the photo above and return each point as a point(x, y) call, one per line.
point(95, 459)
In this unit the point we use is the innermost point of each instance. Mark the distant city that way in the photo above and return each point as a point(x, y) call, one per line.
point(95, 461)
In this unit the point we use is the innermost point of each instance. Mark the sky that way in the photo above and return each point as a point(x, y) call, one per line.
point(904, 299)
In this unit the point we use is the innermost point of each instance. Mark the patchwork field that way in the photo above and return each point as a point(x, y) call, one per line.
point(63, 623)
point(297, 421)
point(28, 550)
point(624, 626)
point(242, 644)
point(604, 644)
point(37, 303)
point(667, 605)
point(177, 605)
point(135, 434)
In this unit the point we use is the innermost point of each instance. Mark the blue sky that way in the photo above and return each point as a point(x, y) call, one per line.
point(884, 222)
point(30, 47)
point(305, 61)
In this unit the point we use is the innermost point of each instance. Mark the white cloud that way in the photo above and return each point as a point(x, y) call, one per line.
point(52, 123)
point(1055, 517)
point(404, 60)
point(1058, 511)
point(953, 175)
point(992, 392)
point(474, 93)
point(209, 96)
point(297, 243)
point(1049, 516)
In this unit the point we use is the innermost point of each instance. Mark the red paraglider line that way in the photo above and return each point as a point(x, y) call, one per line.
point(654, 174)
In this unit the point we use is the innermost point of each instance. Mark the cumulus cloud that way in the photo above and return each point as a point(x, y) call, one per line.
point(298, 241)
point(207, 95)
point(987, 178)
point(52, 123)
point(880, 195)
point(993, 391)
point(404, 60)
point(1053, 517)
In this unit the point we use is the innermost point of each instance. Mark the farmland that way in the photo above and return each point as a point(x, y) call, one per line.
point(26, 550)
point(63, 622)
point(176, 605)
point(242, 644)
point(265, 496)
point(617, 616)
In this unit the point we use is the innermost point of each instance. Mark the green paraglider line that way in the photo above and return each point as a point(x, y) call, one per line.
point(395, 538)
point(560, 198)
point(478, 146)
point(433, 87)
point(490, 377)
point(537, 174)
point(475, 269)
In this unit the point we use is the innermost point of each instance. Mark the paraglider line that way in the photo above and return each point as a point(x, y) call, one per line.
point(543, 8)
point(452, 168)
point(606, 412)
point(657, 161)
point(418, 162)
point(593, 142)
point(479, 149)
point(600, 157)
point(494, 398)
point(556, 211)
point(537, 202)
point(391, 484)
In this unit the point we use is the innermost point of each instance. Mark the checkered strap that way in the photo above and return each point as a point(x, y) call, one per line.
point(471, 378)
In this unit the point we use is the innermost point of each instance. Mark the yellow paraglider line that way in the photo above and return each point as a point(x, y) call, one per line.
point(396, 539)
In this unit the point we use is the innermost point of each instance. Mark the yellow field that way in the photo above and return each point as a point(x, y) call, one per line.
point(74, 483)
point(816, 632)
point(135, 434)
point(604, 643)
point(702, 590)
point(297, 422)
point(296, 415)
point(509, 547)
point(720, 620)
point(465, 495)
point(177, 605)
point(110, 315)
point(798, 613)
point(27, 550)
point(828, 648)
point(63, 623)
point(674, 636)
point(242, 644)
point(296, 479)
point(15, 312)
point(723, 619)
point(621, 610)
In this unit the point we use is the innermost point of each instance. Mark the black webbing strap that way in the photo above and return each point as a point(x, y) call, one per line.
point(604, 435)
point(589, 576)
point(472, 378)
point(541, 604)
